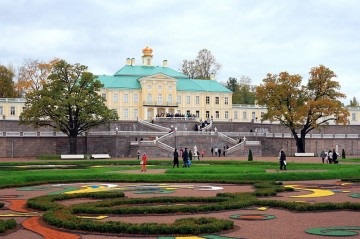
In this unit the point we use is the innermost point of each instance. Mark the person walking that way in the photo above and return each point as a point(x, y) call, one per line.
point(323, 156)
point(334, 157)
point(185, 156)
point(176, 158)
point(330, 157)
point(212, 151)
point(282, 160)
point(138, 154)
point(143, 162)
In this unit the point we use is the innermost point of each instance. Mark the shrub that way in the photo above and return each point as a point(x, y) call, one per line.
point(7, 224)
point(250, 156)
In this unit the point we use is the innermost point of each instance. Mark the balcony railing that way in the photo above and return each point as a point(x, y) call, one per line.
point(160, 103)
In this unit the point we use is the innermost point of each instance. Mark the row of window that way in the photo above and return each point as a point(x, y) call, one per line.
point(149, 88)
point(149, 98)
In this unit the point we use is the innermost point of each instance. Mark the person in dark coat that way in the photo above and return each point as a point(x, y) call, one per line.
point(185, 156)
point(335, 156)
point(176, 158)
point(282, 160)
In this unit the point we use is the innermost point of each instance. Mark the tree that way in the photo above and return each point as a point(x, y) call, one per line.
point(202, 67)
point(7, 89)
point(67, 102)
point(33, 74)
point(353, 103)
point(302, 108)
point(243, 91)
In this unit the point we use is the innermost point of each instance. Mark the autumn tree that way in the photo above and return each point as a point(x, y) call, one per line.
point(202, 67)
point(7, 89)
point(302, 108)
point(67, 102)
point(33, 74)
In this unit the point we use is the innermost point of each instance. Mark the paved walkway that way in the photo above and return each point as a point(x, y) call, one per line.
point(243, 158)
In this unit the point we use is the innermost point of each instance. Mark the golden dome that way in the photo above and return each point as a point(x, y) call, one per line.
point(147, 51)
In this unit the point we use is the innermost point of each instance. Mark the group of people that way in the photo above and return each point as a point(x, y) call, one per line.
point(186, 156)
point(217, 151)
point(330, 156)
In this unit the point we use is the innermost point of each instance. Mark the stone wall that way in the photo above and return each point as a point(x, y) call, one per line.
point(119, 145)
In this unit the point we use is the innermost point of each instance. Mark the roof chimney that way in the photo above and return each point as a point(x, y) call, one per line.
point(133, 61)
point(165, 63)
point(128, 61)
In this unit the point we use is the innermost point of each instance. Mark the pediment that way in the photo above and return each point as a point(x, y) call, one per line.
point(157, 77)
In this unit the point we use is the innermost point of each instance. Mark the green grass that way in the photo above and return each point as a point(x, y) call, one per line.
point(230, 171)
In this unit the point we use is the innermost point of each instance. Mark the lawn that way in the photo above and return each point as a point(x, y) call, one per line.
point(231, 171)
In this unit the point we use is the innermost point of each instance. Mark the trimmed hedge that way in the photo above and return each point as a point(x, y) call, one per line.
point(115, 203)
point(7, 224)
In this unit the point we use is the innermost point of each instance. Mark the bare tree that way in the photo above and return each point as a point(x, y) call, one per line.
point(203, 67)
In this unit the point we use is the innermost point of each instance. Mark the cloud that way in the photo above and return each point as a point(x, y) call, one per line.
point(250, 38)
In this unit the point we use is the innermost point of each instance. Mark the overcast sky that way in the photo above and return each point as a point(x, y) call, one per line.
point(247, 37)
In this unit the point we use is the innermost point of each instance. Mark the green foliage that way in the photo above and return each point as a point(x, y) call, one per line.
point(7, 224)
point(69, 101)
point(243, 91)
point(250, 156)
point(7, 89)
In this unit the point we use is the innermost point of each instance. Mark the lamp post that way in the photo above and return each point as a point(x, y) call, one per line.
point(175, 129)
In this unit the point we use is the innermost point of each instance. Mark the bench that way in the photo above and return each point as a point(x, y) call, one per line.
point(100, 156)
point(304, 154)
point(72, 156)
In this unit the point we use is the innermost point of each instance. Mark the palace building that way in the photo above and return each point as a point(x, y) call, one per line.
point(148, 91)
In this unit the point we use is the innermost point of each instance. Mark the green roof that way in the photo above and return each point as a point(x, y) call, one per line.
point(128, 78)
point(142, 71)
point(120, 82)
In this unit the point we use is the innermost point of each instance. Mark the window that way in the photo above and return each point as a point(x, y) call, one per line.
point(103, 95)
point(169, 99)
point(178, 99)
point(126, 113)
point(217, 114)
point(159, 98)
point(207, 114)
point(253, 115)
point(244, 115)
point(149, 98)
point(217, 100)
point(136, 113)
point(126, 98)
point(353, 116)
point(226, 114)
point(170, 88)
point(149, 87)
point(159, 88)
point(1, 110)
point(226, 100)
point(12, 110)
point(235, 115)
point(188, 99)
point(136, 98)
point(115, 97)
point(207, 100)
point(197, 113)
point(197, 100)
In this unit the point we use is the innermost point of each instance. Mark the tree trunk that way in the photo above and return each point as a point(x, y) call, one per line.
point(73, 144)
point(300, 144)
